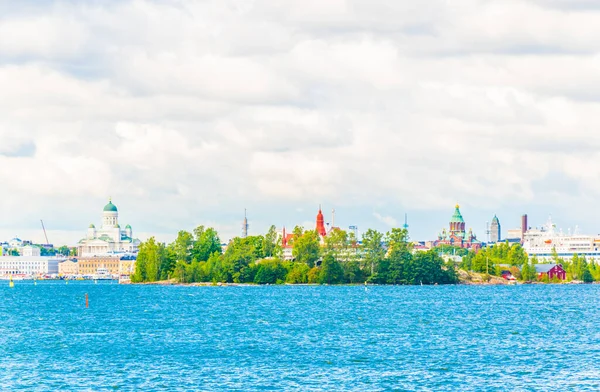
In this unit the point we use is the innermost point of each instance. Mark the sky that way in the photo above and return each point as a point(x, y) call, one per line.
point(185, 113)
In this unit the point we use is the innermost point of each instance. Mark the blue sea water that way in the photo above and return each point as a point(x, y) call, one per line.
point(467, 338)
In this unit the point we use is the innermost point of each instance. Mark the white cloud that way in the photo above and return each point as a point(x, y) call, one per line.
point(387, 220)
point(187, 112)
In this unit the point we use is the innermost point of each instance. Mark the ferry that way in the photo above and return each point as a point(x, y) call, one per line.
point(541, 242)
point(102, 274)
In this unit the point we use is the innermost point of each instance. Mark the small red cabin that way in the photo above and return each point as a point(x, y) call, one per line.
point(552, 270)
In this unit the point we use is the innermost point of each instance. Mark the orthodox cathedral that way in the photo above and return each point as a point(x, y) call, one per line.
point(457, 236)
point(108, 239)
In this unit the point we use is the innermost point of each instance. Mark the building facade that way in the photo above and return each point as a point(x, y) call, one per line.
point(30, 251)
point(109, 238)
point(90, 265)
point(68, 268)
point(28, 265)
point(115, 265)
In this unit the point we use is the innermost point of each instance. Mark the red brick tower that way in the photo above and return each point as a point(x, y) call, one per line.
point(321, 224)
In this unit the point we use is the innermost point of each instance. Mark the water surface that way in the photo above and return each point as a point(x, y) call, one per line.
point(469, 338)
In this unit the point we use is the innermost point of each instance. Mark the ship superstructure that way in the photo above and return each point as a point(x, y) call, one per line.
point(541, 242)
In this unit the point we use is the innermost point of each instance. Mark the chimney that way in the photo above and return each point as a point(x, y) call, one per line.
point(523, 226)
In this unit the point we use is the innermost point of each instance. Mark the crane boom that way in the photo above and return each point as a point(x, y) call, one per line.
point(45, 235)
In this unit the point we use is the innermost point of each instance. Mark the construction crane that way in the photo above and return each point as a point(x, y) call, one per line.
point(45, 235)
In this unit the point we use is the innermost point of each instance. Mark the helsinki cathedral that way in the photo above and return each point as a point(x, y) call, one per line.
point(110, 238)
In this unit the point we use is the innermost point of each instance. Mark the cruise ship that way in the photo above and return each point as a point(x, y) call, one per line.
point(541, 242)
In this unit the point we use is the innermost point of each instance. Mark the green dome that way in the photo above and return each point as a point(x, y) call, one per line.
point(128, 227)
point(110, 207)
point(457, 217)
point(495, 220)
point(92, 226)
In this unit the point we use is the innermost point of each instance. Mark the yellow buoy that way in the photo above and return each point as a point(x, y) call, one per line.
point(11, 284)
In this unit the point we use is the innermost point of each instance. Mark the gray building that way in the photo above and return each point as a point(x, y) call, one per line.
point(495, 230)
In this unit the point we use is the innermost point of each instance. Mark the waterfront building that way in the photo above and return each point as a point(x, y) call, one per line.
point(551, 270)
point(114, 265)
point(28, 265)
point(457, 235)
point(320, 227)
point(543, 242)
point(68, 268)
point(495, 230)
point(109, 238)
point(90, 265)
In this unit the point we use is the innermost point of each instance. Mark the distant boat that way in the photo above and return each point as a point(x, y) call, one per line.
point(102, 274)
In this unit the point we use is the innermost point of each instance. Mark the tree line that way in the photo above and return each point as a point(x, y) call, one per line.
point(338, 258)
point(504, 256)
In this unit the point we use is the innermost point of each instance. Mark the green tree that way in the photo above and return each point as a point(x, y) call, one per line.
point(428, 268)
point(64, 250)
point(206, 243)
point(149, 261)
point(525, 272)
point(271, 247)
point(331, 271)
point(352, 271)
point(586, 276)
point(240, 253)
point(372, 249)
point(182, 246)
point(298, 273)
point(306, 248)
point(270, 271)
point(399, 258)
point(336, 243)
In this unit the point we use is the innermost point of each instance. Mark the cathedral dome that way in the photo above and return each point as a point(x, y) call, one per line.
point(110, 207)
point(457, 217)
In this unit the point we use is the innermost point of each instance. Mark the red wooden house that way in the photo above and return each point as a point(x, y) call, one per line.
point(552, 270)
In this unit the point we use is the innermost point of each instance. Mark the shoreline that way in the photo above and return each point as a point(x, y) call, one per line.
point(462, 283)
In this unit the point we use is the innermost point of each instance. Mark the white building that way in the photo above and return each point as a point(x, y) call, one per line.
point(28, 265)
point(15, 243)
point(109, 238)
point(31, 251)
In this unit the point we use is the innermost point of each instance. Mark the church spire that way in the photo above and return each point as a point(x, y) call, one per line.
point(321, 223)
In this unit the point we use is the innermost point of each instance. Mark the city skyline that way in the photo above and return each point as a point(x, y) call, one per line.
point(260, 226)
point(188, 112)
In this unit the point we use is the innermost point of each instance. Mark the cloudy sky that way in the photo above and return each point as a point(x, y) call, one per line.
point(187, 112)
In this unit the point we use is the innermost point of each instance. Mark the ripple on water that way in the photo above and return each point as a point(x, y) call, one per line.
point(539, 337)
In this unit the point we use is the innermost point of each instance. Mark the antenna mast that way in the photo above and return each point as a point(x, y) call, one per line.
point(245, 226)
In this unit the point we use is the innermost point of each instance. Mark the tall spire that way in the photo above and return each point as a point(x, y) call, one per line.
point(283, 238)
point(405, 226)
point(245, 225)
point(321, 223)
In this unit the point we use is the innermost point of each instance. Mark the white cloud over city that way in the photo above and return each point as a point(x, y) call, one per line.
point(187, 112)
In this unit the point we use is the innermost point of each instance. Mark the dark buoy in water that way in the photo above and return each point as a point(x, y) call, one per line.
point(87, 304)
